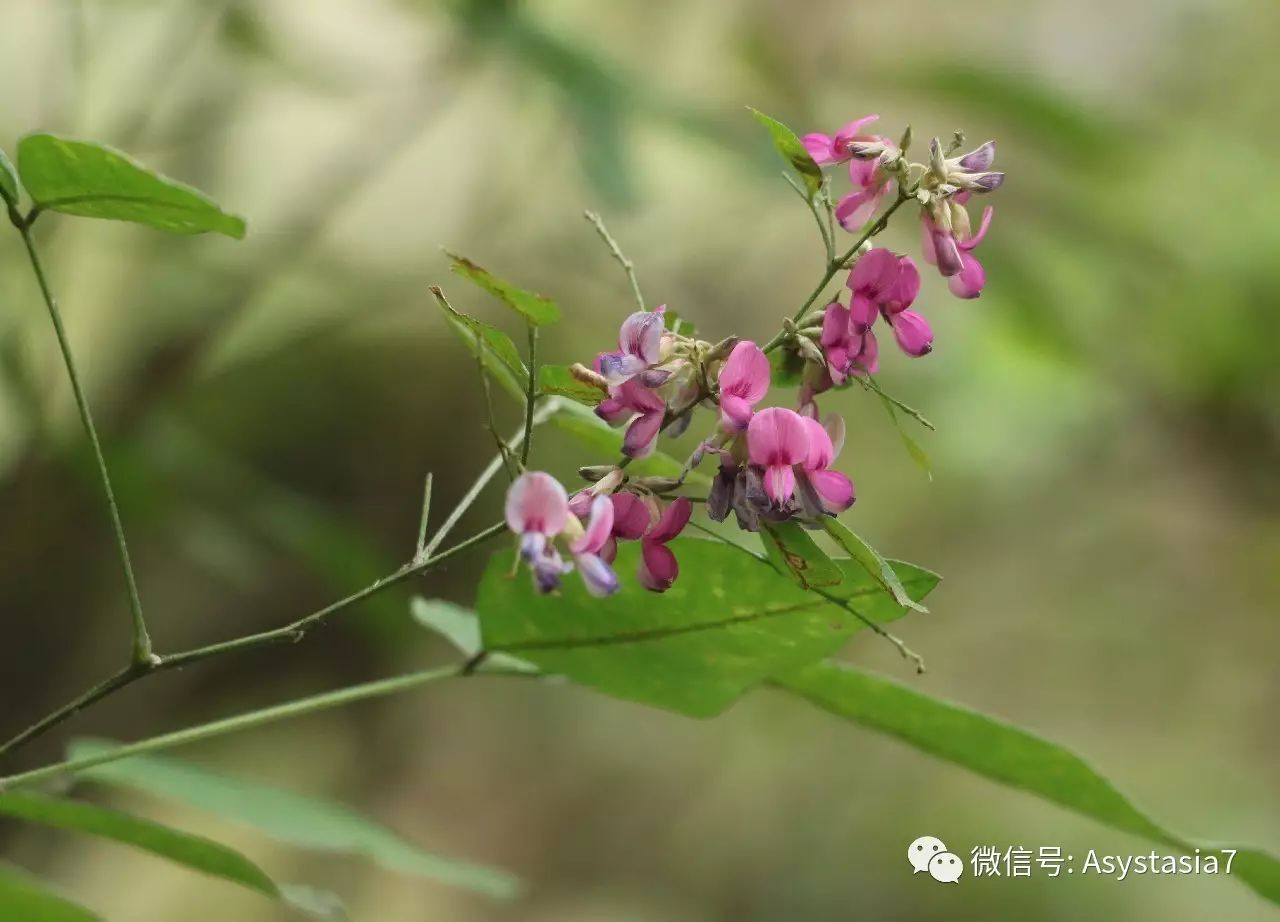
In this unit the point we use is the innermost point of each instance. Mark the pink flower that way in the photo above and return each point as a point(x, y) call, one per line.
point(847, 352)
point(870, 186)
point(624, 402)
point(883, 284)
point(658, 566)
point(744, 380)
point(910, 329)
point(597, 575)
point(776, 440)
point(537, 509)
point(639, 350)
point(630, 522)
point(834, 489)
point(949, 245)
point(826, 150)
point(874, 282)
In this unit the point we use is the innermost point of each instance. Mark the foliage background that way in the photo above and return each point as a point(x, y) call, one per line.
point(1104, 506)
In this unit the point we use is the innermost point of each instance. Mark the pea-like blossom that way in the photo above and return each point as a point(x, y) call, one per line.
point(597, 575)
point(537, 509)
point(847, 352)
point(949, 243)
point(631, 519)
point(777, 439)
point(639, 350)
point(870, 185)
point(643, 406)
point(658, 565)
point(830, 149)
point(883, 284)
point(744, 380)
point(833, 489)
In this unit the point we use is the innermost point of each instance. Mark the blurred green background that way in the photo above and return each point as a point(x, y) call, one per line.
point(1104, 506)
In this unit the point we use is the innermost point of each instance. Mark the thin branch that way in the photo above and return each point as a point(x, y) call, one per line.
point(490, 423)
point(420, 547)
point(627, 265)
point(869, 382)
point(828, 241)
point(531, 397)
point(141, 639)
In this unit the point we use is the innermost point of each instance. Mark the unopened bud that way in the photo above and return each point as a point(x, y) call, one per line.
point(596, 472)
point(657, 484)
point(810, 351)
point(937, 162)
point(905, 143)
point(722, 349)
point(788, 325)
point(866, 150)
point(609, 482)
point(585, 375)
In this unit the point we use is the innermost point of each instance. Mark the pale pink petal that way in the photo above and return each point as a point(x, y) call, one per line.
point(779, 483)
point(630, 516)
point(835, 488)
point(836, 432)
point(580, 503)
point(735, 413)
point(821, 451)
point(537, 502)
point(641, 336)
point(913, 333)
point(672, 522)
point(777, 436)
point(641, 435)
point(855, 209)
point(599, 527)
point(971, 278)
point(746, 372)
point(658, 567)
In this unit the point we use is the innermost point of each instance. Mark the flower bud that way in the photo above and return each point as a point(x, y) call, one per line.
point(810, 351)
point(657, 484)
point(586, 376)
point(609, 482)
point(905, 143)
point(866, 149)
point(937, 162)
point(596, 472)
point(722, 349)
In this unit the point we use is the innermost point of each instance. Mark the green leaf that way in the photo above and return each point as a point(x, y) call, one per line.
point(95, 181)
point(8, 180)
point(557, 379)
point(792, 151)
point(536, 309)
point(785, 367)
point(24, 899)
point(495, 348)
point(606, 442)
point(303, 821)
point(461, 627)
point(1003, 753)
point(696, 648)
point(792, 551)
point(871, 561)
point(192, 851)
point(913, 448)
point(671, 320)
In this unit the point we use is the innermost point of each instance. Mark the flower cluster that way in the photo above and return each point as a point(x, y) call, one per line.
point(775, 463)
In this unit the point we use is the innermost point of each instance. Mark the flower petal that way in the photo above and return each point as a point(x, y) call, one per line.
point(537, 502)
point(641, 435)
point(835, 488)
point(821, 451)
point(835, 324)
point(672, 521)
point(905, 290)
point(658, 567)
point(976, 239)
point(836, 432)
point(971, 278)
point(913, 333)
point(874, 274)
point(777, 436)
point(856, 208)
point(597, 575)
point(979, 159)
point(614, 411)
point(641, 336)
point(598, 530)
point(779, 483)
point(620, 366)
point(821, 148)
point(746, 372)
point(735, 413)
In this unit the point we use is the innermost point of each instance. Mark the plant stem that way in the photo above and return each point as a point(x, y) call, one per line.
point(125, 676)
point(627, 265)
point(420, 547)
point(531, 397)
point(141, 639)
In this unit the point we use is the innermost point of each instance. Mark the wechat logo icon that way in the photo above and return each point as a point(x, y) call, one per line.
point(929, 854)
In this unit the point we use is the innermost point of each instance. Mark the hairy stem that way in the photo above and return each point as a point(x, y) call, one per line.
point(627, 265)
point(141, 639)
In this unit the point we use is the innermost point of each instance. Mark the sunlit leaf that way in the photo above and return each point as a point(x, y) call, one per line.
point(534, 308)
point(557, 379)
point(732, 622)
point(792, 551)
point(1003, 753)
point(95, 181)
point(792, 151)
point(495, 348)
point(879, 568)
point(303, 821)
point(25, 899)
point(191, 851)
point(8, 180)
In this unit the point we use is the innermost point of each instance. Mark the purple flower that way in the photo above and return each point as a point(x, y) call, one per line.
point(639, 350)
point(658, 566)
point(949, 243)
point(777, 439)
point(624, 402)
point(827, 150)
point(631, 520)
point(537, 509)
point(597, 575)
point(744, 380)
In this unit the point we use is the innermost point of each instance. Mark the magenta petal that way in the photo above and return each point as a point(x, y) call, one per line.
point(867, 361)
point(599, 527)
point(746, 372)
point(641, 435)
point(779, 483)
point(597, 575)
point(856, 208)
point(907, 288)
point(982, 229)
point(672, 522)
point(948, 253)
point(835, 489)
point(821, 451)
point(777, 436)
point(614, 411)
point(862, 313)
point(658, 567)
point(927, 247)
point(537, 502)
point(875, 273)
point(609, 553)
point(913, 333)
point(580, 503)
point(821, 148)
point(835, 324)
point(735, 413)
point(971, 278)
point(630, 516)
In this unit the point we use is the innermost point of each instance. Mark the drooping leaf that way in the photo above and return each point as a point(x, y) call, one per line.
point(25, 899)
point(879, 568)
point(303, 821)
point(461, 627)
point(606, 443)
point(792, 551)
point(191, 851)
point(792, 151)
point(534, 308)
point(694, 649)
point(557, 379)
point(96, 181)
point(1001, 752)
point(495, 348)
point(8, 180)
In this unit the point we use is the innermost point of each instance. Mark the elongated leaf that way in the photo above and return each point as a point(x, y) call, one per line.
point(696, 648)
point(24, 899)
point(461, 627)
point(791, 550)
point(606, 443)
point(913, 448)
point(495, 348)
point(534, 308)
point(303, 821)
point(1003, 753)
point(8, 180)
point(792, 151)
point(188, 850)
point(96, 181)
point(557, 379)
point(879, 568)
